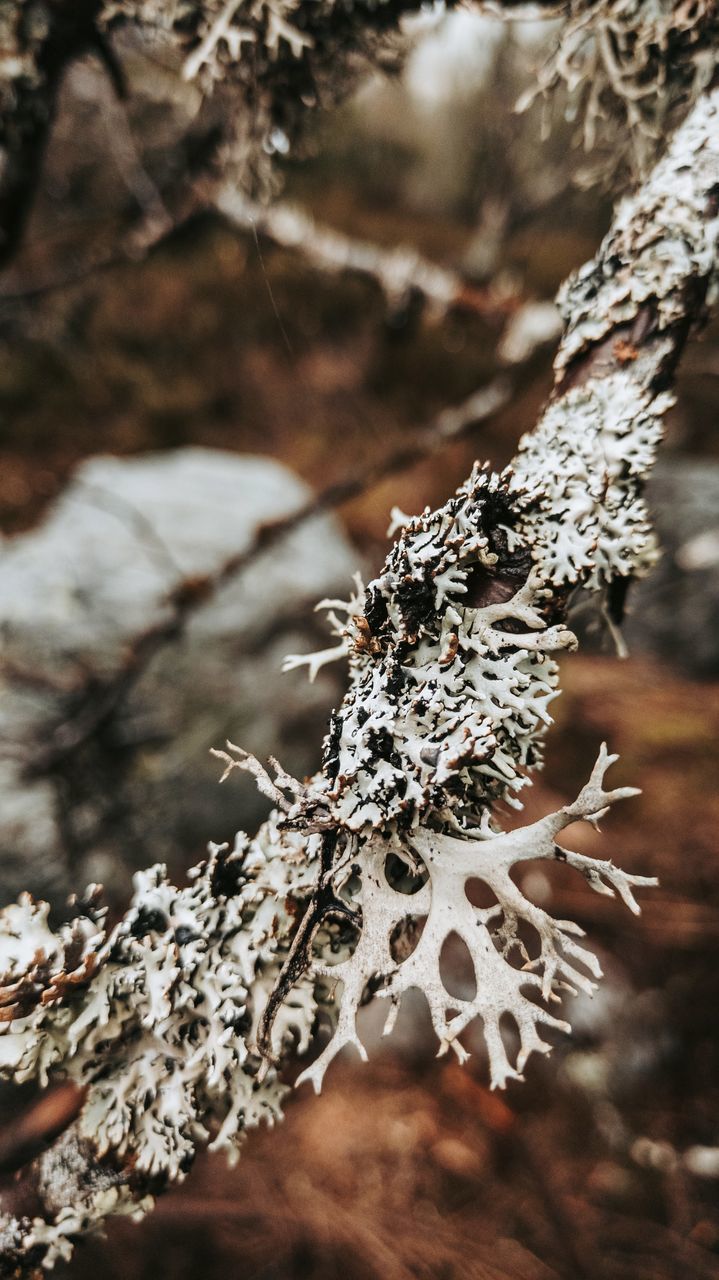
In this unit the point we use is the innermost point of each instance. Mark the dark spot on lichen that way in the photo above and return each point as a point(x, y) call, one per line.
point(148, 920)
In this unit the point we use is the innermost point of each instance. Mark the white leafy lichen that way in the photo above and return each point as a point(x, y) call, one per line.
point(159, 1023)
point(448, 695)
point(490, 934)
point(580, 476)
point(451, 666)
point(451, 673)
point(662, 238)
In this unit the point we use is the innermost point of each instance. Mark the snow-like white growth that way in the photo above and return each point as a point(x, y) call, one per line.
point(450, 671)
point(491, 934)
point(451, 652)
point(157, 1016)
point(662, 243)
point(157, 1019)
point(580, 477)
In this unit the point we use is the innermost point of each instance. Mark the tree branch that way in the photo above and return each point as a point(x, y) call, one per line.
point(39, 39)
point(452, 670)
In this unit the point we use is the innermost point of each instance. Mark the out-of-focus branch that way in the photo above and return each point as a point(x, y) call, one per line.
point(399, 271)
point(39, 39)
point(268, 63)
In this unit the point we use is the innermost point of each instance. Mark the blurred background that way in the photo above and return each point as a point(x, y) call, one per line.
point(205, 420)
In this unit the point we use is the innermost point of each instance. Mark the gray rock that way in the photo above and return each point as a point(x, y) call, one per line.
point(673, 613)
point(76, 594)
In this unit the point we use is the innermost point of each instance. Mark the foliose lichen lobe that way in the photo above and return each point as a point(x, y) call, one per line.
point(578, 477)
point(450, 673)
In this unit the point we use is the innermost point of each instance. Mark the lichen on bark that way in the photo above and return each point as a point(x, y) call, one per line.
point(173, 1021)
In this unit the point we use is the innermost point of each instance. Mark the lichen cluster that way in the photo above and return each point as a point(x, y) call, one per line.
point(451, 667)
point(628, 69)
point(584, 491)
point(508, 980)
point(450, 676)
point(578, 478)
point(156, 1018)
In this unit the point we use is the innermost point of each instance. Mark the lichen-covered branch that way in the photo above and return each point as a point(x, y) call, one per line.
point(156, 1019)
point(173, 1022)
point(451, 653)
point(452, 649)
